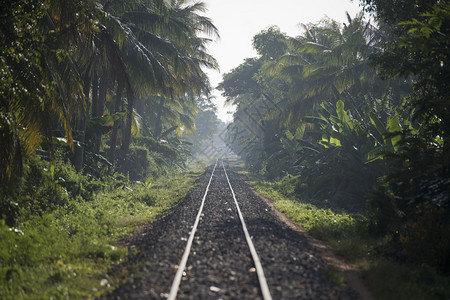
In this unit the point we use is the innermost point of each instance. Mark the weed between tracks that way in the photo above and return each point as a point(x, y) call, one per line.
point(348, 236)
point(67, 252)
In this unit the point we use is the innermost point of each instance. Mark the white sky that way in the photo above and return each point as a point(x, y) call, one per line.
point(239, 20)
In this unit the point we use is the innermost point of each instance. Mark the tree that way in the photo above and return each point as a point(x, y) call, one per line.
point(330, 57)
point(270, 44)
point(79, 54)
point(40, 80)
point(168, 38)
point(417, 191)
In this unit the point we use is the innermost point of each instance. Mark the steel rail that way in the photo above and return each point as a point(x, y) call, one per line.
point(176, 282)
point(259, 270)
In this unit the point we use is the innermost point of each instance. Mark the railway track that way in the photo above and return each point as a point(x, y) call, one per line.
point(264, 288)
point(223, 242)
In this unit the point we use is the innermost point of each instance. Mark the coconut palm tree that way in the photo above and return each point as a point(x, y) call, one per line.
point(41, 81)
point(169, 38)
point(83, 51)
point(328, 58)
point(147, 42)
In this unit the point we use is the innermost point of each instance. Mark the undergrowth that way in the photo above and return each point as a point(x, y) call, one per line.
point(64, 251)
point(341, 230)
point(348, 235)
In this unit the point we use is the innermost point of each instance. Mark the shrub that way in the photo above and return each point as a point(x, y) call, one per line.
point(39, 192)
point(137, 163)
point(427, 238)
point(140, 164)
point(43, 187)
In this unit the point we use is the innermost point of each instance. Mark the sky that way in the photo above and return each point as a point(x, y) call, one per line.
point(239, 21)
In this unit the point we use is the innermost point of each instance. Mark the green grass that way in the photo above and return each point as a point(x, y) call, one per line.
point(347, 235)
point(342, 231)
point(68, 252)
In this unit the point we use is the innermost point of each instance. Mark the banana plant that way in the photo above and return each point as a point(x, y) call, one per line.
point(349, 157)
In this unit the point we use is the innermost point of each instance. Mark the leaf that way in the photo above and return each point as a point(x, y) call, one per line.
point(375, 154)
point(335, 141)
point(394, 128)
point(52, 172)
point(148, 182)
point(300, 132)
point(106, 119)
point(289, 135)
point(168, 131)
point(342, 114)
point(336, 93)
point(378, 125)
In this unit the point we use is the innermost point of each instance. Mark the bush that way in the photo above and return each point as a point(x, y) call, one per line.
point(75, 184)
point(9, 193)
point(39, 192)
point(412, 203)
point(141, 164)
point(44, 187)
point(427, 238)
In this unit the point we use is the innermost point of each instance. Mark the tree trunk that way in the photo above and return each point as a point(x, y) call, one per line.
point(114, 136)
point(129, 121)
point(79, 149)
point(100, 109)
point(158, 123)
point(94, 95)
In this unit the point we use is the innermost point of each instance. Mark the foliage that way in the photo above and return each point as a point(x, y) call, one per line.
point(138, 163)
point(206, 125)
point(344, 165)
point(430, 227)
point(38, 82)
point(418, 186)
point(152, 145)
point(44, 187)
point(354, 112)
point(267, 116)
point(67, 64)
point(406, 281)
point(141, 164)
point(348, 235)
point(66, 250)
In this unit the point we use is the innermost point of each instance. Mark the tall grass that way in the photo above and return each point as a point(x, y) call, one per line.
point(66, 251)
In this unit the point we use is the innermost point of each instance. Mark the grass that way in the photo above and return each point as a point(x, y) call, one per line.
point(347, 235)
point(340, 230)
point(67, 253)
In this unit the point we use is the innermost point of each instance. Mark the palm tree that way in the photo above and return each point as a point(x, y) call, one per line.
point(168, 40)
point(327, 59)
point(145, 48)
point(41, 82)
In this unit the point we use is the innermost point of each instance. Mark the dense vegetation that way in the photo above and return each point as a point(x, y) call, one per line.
point(354, 118)
point(95, 97)
point(112, 85)
point(71, 229)
point(102, 104)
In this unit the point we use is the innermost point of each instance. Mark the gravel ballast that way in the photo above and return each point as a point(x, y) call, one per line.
point(220, 265)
